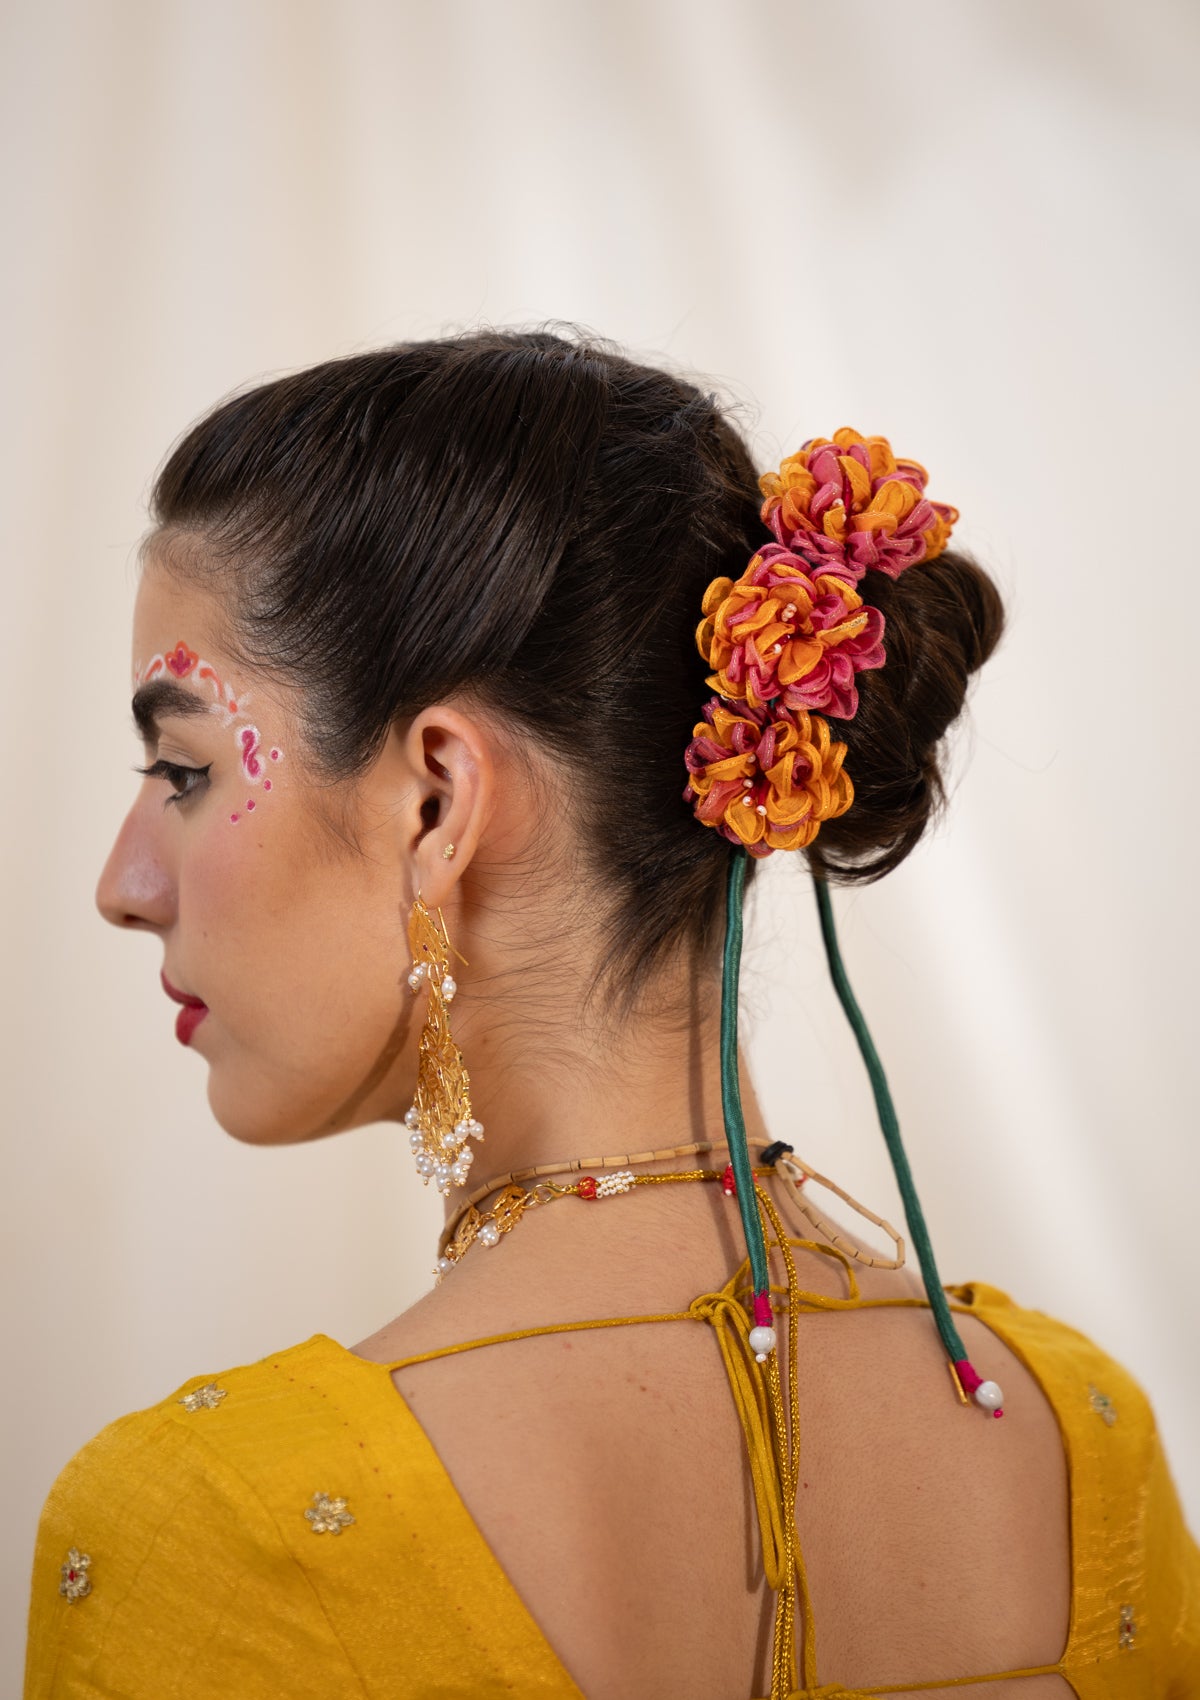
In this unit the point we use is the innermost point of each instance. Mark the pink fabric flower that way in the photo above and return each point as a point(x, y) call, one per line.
point(765, 778)
point(781, 632)
point(849, 504)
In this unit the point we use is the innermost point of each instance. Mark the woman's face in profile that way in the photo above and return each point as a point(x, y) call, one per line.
point(295, 945)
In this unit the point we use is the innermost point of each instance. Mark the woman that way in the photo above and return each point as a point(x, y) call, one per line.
point(434, 830)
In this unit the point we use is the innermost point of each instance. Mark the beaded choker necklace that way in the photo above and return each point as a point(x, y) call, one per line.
point(469, 1224)
point(513, 1201)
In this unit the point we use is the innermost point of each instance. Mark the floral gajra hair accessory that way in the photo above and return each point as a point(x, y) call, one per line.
point(766, 778)
point(786, 642)
point(848, 504)
point(788, 637)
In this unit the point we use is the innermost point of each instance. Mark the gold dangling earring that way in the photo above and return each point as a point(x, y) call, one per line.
point(439, 1120)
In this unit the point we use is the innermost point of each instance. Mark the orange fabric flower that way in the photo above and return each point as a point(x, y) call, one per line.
point(778, 632)
point(848, 503)
point(765, 778)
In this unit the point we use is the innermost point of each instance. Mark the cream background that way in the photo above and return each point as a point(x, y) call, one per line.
point(970, 227)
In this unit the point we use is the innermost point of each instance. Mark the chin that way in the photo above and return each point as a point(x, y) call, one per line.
point(256, 1117)
point(253, 1114)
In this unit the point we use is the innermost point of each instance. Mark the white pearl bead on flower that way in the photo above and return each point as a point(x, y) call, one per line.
point(988, 1395)
point(449, 987)
point(762, 1341)
point(489, 1233)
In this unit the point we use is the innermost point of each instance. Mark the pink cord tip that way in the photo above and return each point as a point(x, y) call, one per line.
point(971, 1380)
point(967, 1375)
point(764, 1316)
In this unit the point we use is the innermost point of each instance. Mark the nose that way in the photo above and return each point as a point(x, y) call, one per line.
point(135, 888)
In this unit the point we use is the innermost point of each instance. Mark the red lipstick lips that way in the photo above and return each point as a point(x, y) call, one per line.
point(190, 1016)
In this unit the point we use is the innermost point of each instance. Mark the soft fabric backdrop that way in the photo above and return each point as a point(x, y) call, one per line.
point(969, 227)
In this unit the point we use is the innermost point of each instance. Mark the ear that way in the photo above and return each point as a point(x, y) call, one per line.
point(455, 769)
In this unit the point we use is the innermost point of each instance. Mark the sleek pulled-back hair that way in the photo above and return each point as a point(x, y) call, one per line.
point(533, 521)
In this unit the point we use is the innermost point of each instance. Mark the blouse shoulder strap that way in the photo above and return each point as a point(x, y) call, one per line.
point(548, 1328)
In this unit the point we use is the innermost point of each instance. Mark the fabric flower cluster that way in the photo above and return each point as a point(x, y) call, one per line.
point(779, 632)
point(849, 504)
point(787, 639)
point(765, 778)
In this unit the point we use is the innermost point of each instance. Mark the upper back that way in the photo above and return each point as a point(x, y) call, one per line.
point(570, 1513)
point(606, 1471)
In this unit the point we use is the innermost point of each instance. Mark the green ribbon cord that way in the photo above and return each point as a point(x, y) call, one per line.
point(731, 1095)
point(891, 1129)
point(735, 1126)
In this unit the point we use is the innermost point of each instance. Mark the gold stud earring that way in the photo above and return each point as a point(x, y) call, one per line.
point(440, 1120)
point(448, 851)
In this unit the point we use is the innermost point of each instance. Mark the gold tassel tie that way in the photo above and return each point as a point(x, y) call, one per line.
point(773, 1454)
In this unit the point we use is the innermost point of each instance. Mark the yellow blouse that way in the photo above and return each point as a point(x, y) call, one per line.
point(286, 1527)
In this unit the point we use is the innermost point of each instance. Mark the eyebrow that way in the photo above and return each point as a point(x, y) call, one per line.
point(159, 699)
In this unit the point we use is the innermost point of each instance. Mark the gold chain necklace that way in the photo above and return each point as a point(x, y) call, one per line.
point(625, 1161)
point(467, 1222)
point(487, 1226)
point(537, 1170)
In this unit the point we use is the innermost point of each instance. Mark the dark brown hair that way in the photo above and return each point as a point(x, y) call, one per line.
point(533, 519)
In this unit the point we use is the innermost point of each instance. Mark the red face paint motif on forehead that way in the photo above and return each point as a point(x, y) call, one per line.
point(229, 704)
point(181, 660)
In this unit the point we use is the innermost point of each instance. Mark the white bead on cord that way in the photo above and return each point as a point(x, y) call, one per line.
point(762, 1341)
point(988, 1395)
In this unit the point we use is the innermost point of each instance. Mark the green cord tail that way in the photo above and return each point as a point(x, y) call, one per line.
point(891, 1130)
point(731, 1095)
point(735, 1126)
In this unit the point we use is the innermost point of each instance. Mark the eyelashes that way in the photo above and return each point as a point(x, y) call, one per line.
point(187, 780)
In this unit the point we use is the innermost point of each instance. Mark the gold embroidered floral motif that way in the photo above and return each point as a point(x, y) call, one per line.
point(1102, 1404)
point(327, 1516)
point(1128, 1629)
point(203, 1398)
point(75, 1583)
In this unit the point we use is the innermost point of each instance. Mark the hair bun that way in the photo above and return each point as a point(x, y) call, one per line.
point(943, 622)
